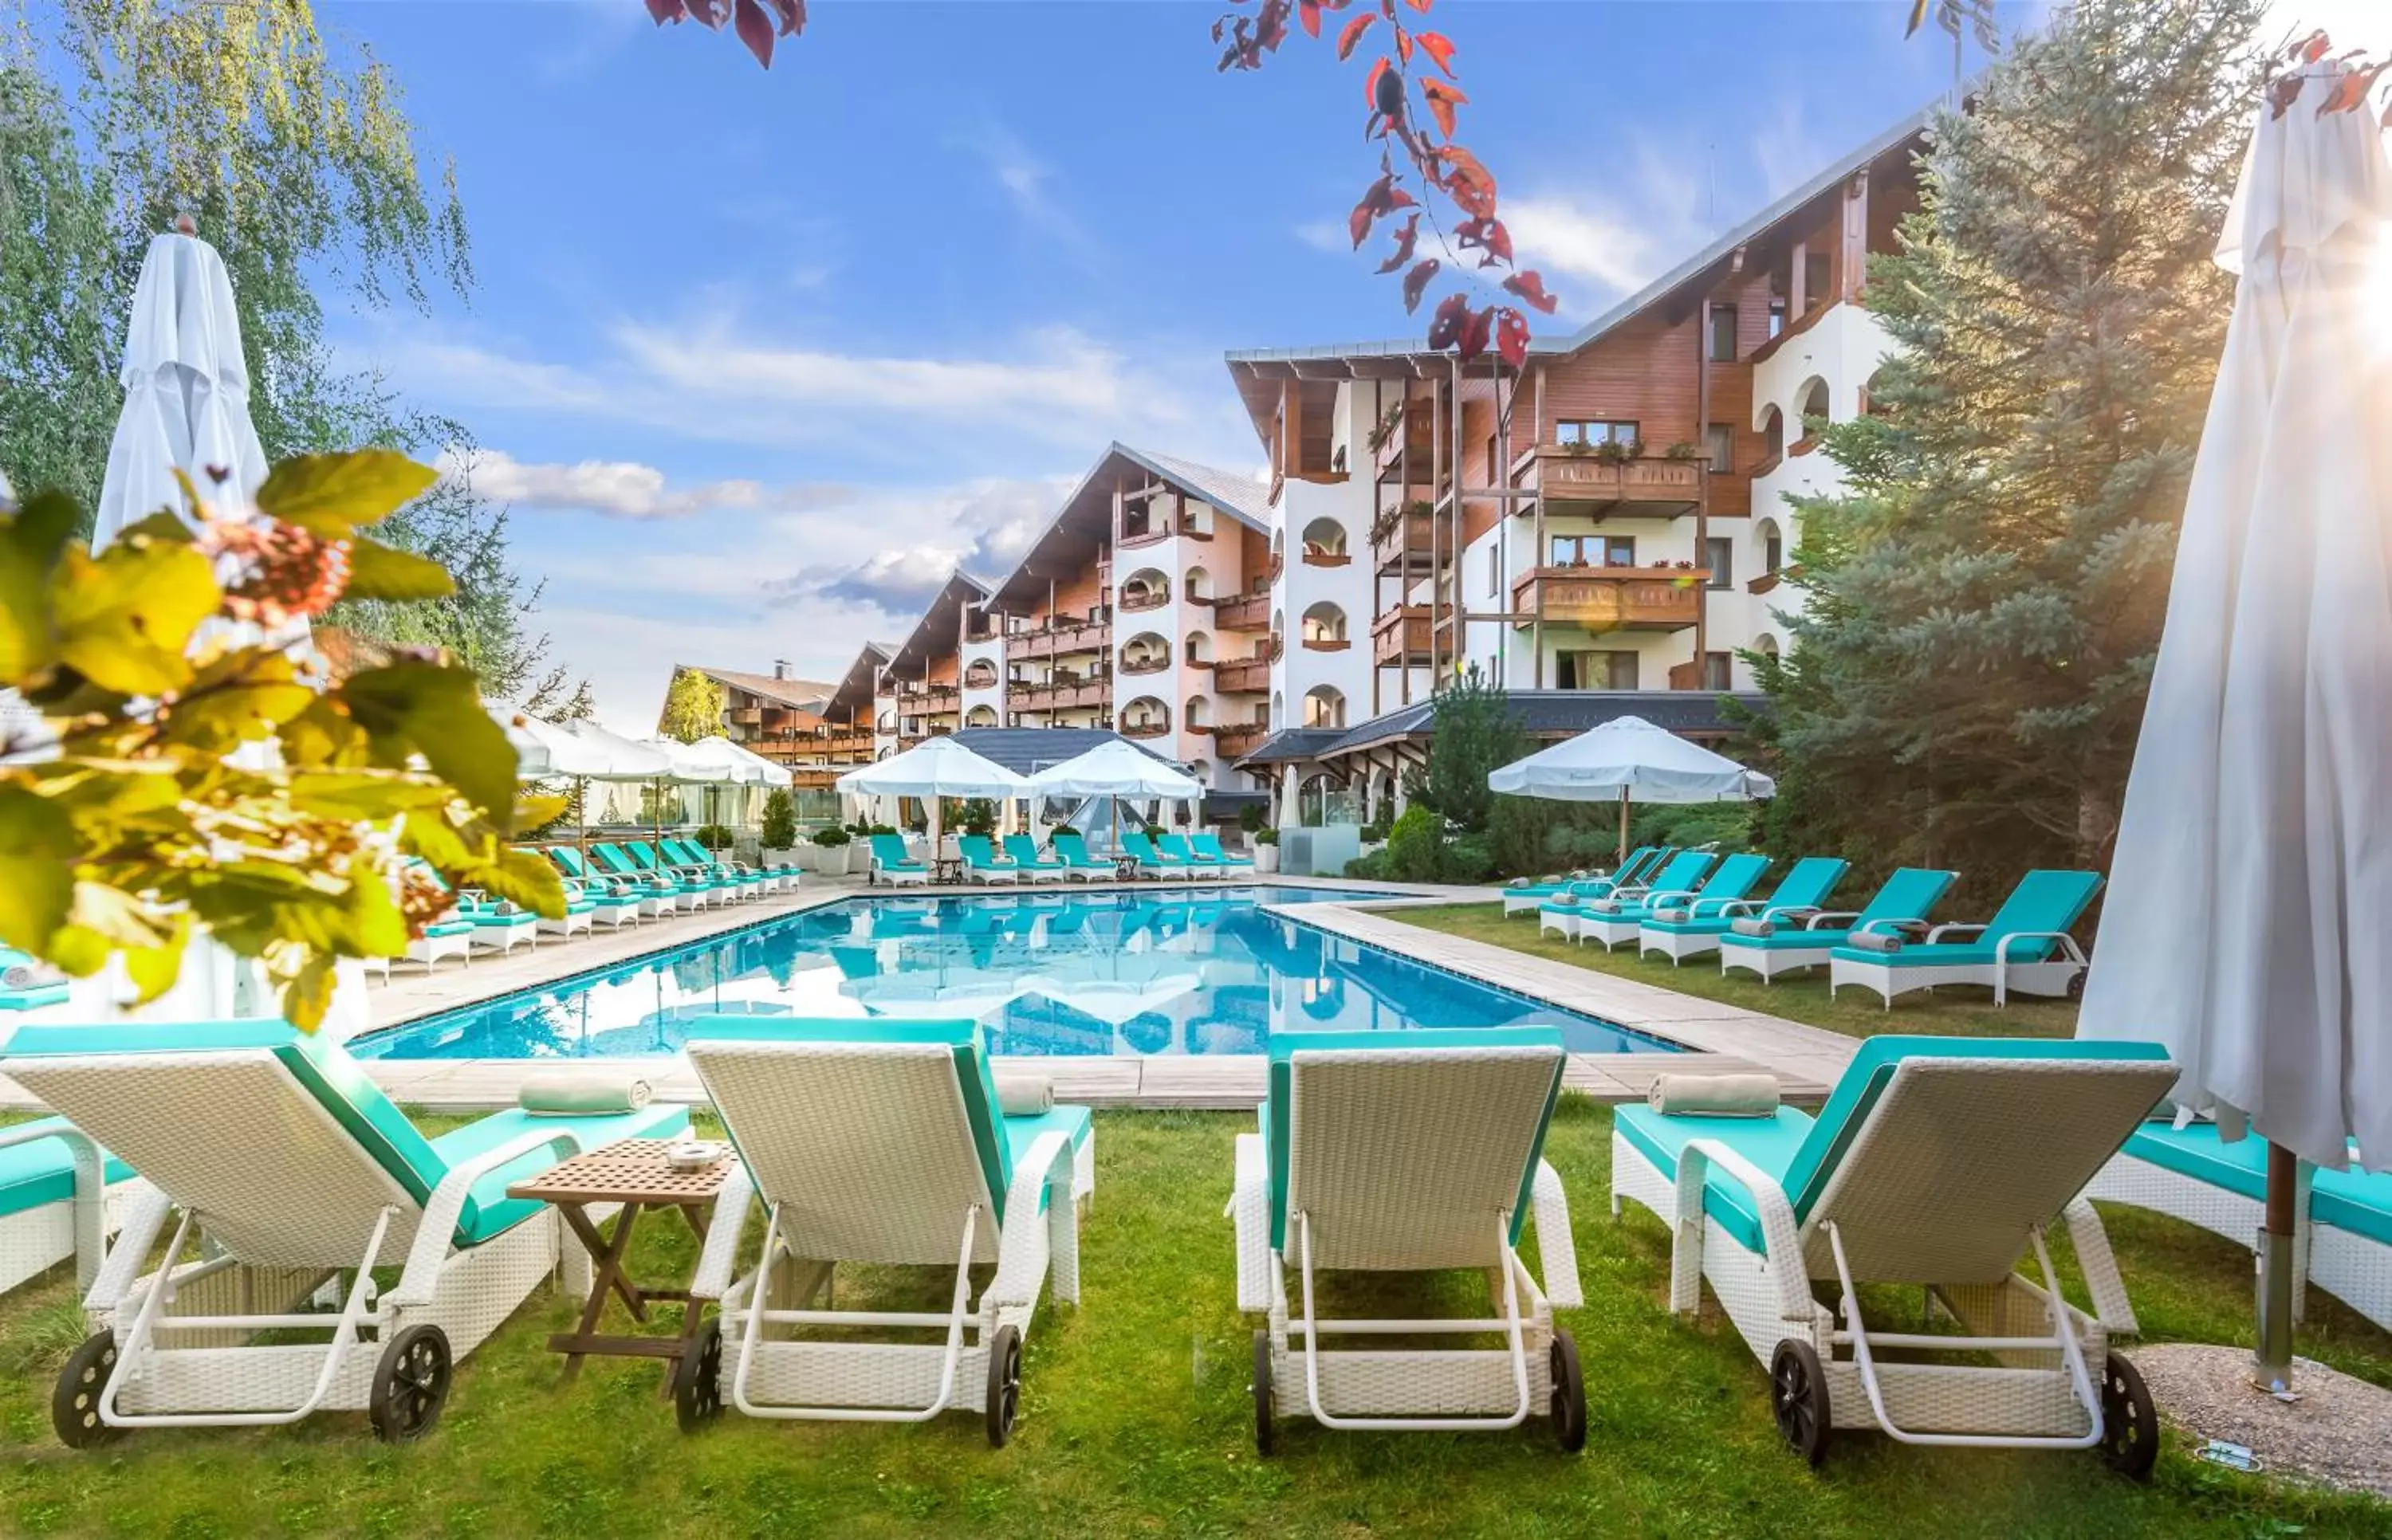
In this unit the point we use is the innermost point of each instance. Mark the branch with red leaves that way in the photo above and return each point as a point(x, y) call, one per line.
point(2354, 77)
point(757, 22)
point(1418, 116)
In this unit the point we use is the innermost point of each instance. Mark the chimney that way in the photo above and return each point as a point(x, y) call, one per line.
point(780, 668)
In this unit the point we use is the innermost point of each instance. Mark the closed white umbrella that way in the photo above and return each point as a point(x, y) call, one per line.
point(1628, 759)
point(2251, 891)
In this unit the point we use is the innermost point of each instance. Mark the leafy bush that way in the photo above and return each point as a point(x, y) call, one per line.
point(780, 822)
point(1062, 831)
point(1253, 817)
point(1266, 836)
point(715, 836)
point(979, 817)
point(1370, 868)
point(832, 837)
point(1469, 857)
point(1416, 849)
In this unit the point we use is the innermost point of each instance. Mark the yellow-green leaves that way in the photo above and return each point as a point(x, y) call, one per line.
point(123, 618)
point(424, 709)
point(38, 842)
point(377, 571)
point(332, 496)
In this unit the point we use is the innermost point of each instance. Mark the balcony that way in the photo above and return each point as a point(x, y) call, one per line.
point(1400, 635)
point(1060, 640)
point(1144, 598)
point(1649, 487)
point(1152, 727)
point(1612, 598)
point(1244, 674)
point(1249, 613)
point(1058, 695)
point(1396, 535)
point(1234, 740)
point(746, 715)
point(1150, 663)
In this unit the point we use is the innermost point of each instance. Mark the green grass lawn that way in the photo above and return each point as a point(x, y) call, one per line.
point(1955, 1012)
point(1135, 1421)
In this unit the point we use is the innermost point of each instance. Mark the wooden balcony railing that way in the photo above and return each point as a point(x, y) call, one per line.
point(1401, 636)
point(1152, 664)
point(1244, 674)
point(1057, 697)
point(1398, 535)
point(1650, 487)
point(746, 716)
point(1249, 613)
point(1152, 727)
point(1145, 599)
point(1233, 739)
point(1058, 640)
point(1612, 598)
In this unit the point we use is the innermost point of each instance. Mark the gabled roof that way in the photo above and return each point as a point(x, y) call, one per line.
point(934, 634)
point(1084, 525)
point(1027, 749)
point(1410, 351)
point(1542, 714)
point(805, 694)
point(856, 686)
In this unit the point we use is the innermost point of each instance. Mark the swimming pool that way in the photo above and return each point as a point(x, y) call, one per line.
point(1153, 971)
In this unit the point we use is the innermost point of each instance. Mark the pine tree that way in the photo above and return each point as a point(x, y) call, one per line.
point(1472, 732)
point(1984, 603)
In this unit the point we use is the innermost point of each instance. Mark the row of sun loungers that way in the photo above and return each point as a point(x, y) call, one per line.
point(1692, 903)
point(1066, 860)
point(1937, 1162)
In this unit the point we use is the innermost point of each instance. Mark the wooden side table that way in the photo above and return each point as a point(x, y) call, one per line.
point(634, 1173)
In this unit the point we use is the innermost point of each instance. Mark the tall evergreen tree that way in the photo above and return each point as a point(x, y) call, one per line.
point(1984, 603)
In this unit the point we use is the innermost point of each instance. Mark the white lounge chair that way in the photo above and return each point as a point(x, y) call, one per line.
point(1938, 1162)
point(296, 1177)
point(2342, 1220)
point(2024, 949)
point(877, 1142)
point(61, 1196)
point(1408, 1152)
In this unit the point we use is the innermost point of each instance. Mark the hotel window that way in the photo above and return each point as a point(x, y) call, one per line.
point(1719, 555)
point(1777, 315)
point(1592, 670)
point(1593, 551)
point(1815, 282)
point(1722, 334)
point(1720, 437)
point(1716, 674)
point(1594, 430)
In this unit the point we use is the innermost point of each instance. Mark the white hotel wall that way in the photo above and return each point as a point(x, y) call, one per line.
point(1300, 585)
point(992, 653)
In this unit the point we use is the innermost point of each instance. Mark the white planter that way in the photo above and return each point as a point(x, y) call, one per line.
point(1266, 858)
point(773, 860)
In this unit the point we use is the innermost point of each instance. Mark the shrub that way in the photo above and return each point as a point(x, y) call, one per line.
point(1416, 846)
point(1370, 868)
point(780, 823)
point(714, 837)
point(1062, 831)
point(1469, 857)
point(979, 817)
point(1252, 818)
point(1266, 836)
point(832, 837)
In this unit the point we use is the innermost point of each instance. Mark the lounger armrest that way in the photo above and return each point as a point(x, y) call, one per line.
point(1022, 1250)
point(2067, 942)
point(90, 1198)
point(435, 1229)
point(1789, 913)
point(1720, 909)
point(1549, 1207)
point(714, 1263)
point(1781, 1237)
point(1895, 926)
point(1668, 897)
point(2094, 1258)
point(1954, 928)
point(144, 1221)
point(1819, 918)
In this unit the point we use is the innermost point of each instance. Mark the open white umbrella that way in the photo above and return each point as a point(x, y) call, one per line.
point(930, 770)
point(1628, 759)
point(1116, 768)
point(2251, 893)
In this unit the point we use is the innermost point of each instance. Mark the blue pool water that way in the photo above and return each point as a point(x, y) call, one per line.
point(1156, 970)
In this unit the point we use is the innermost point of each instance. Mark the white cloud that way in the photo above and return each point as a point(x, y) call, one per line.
point(1325, 235)
point(620, 489)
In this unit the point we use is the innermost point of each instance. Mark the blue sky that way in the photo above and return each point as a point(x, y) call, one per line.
point(754, 357)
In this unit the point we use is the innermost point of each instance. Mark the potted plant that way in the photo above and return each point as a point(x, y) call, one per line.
point(827, 850)
point(715, 836)
point(1266, 849)
point(777, 835)
point(1617, 451)
point(1679, 450)
point(1577, 449)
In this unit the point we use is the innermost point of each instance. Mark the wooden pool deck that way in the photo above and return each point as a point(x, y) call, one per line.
point(1806, 1060)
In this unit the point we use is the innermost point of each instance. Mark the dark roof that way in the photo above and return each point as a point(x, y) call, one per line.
point(855, 687)
point(1027, 749)
point(1291, 743)
point(1546, 713)
point(1084, 525)
point(935, 634)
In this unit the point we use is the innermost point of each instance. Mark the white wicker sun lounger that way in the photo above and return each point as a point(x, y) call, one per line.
point(61, 1196)
point(296, 1178)
point(1938, 1162)
point(1416, 1156)
point(877, 1142)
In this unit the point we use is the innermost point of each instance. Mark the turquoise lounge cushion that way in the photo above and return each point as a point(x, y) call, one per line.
point(1285, 1046)
point(1791, 939)
point(1942, 954)
point(963, 1036)
point(2353, 1200)
point(1770, 1143)
point(1076, 1122)
point(489, 1211)
point(41, 1171)
point(448, 928)
point(33, 998)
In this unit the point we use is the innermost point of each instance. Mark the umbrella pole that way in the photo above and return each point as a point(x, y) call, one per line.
point(2272, 1365)
point(1619, 858)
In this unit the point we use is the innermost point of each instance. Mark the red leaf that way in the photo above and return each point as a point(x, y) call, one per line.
point(1353, 34)
point(2284, 93)
point(1271, 26)
point(662, 11)
point(1403, 44)
point(2313, 48)
point(709, 13)
point(1488, 236)
point(1439, 50)
point(1416, 283)
point(1467, 182)
point(1476, 333)
point(1442, 99)
point(1309, 12)
point(756, 30)
point(1420, 5)
point(1511, 337)
point(1370, 86)
point(1406, 238)
point(1530, 286)
point(1445, 327)
point(1384, 197)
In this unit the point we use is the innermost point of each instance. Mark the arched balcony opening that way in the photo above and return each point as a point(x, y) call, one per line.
point(1197, 714)
point(1145, 589)
point(1145, 718)
point(1197, 587)
point(1324, 628)
point(1146, 652)
point(980, 674)
point(1324, 544)
point(1325, 705)
point(981, 715)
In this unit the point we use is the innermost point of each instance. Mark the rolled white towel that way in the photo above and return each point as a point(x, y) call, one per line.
point(1025, 1096)
point(1873, 941)
point(1746, 926)
point(1605, 906)
point(1741, 1095)
point(1519, 882)
point(569, 1092)
point(1673, 916)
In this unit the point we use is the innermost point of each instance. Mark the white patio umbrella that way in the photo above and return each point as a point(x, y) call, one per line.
point(930, 770)
point(2250, 895)
point(1115, 768)
point(1628, 759)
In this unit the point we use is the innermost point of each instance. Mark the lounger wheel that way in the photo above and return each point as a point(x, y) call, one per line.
point(1262, 1393)
point(698, 1379)
point(409, 1384)
point(1569, 1394)
point(74, 1406)
point(2130, 1423)
point(1797, 1399)
point(1004, 1384)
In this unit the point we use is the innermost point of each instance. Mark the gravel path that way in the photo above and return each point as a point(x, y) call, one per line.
point(2339, 1431)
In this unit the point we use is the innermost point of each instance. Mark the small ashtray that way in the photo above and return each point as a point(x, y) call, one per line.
point(694, 1155)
